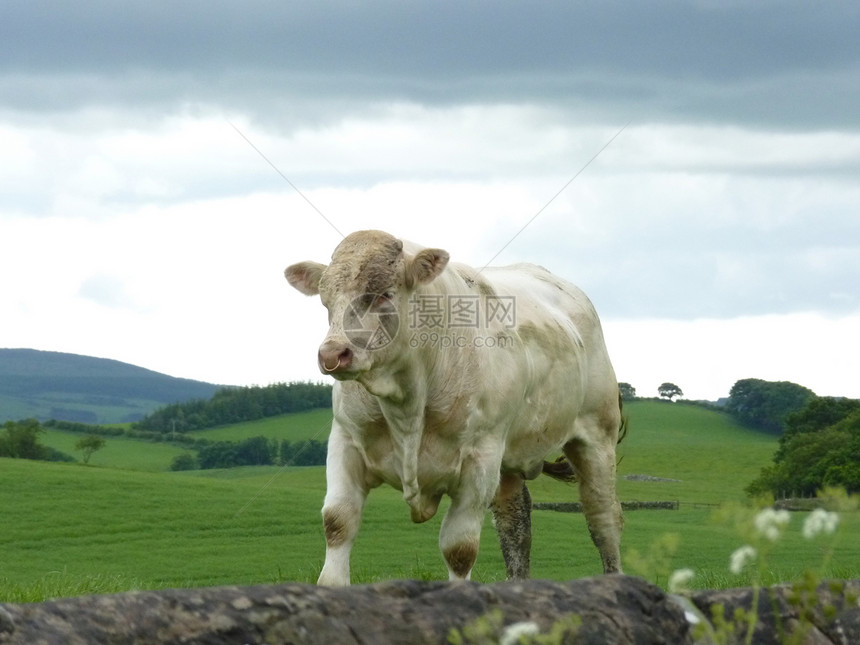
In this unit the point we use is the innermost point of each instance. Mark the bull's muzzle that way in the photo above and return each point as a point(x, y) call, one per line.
point(334, 357)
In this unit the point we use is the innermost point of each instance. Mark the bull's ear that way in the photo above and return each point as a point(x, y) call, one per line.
point(425, 266)
point(305, 276)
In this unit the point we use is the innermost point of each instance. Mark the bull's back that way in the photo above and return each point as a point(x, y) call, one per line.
point(560, 369)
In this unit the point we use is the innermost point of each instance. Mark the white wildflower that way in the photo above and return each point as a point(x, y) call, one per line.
point(514, 633)
point(679, 580)
point(820, 521)
point(770, 523)
point(741, 557)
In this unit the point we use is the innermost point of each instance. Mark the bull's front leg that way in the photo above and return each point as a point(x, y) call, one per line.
point(406, 423)
point(460, 535)
point(346, 492)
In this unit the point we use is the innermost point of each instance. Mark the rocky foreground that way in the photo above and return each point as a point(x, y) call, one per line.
point(606, 609)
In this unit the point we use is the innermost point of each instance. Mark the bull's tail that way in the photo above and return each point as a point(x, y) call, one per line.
point(622, 430)
point(561, 469)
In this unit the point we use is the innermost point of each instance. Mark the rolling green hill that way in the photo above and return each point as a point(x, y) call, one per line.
point(69, 387)
point(711, 455)
point(731, 453)
point(131, 454)
point(314, 424)
point(119, 453)
point(69, 529)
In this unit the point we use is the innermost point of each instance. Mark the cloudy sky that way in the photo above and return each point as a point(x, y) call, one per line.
point(147, 152)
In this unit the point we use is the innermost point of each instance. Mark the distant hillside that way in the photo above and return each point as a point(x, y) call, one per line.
point(69, 387)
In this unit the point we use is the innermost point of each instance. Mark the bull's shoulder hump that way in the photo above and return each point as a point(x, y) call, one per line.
point(525, 270)
point(523, 278)
point(524, 273)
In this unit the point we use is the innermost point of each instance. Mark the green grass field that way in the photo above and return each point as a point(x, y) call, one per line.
point(124, 522)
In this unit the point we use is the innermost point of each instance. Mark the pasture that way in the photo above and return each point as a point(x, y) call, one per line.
point(125, 523)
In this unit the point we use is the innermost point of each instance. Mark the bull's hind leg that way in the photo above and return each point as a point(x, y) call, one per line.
point(512, 509)
point(593, 458)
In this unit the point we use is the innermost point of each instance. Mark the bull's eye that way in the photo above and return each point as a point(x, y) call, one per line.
point(383, 300)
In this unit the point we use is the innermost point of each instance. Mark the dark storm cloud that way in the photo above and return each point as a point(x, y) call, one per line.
point(788, 64)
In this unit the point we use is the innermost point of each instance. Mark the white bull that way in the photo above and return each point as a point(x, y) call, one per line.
point(459, 382)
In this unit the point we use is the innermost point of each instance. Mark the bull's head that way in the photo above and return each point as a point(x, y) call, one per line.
point(366, 290)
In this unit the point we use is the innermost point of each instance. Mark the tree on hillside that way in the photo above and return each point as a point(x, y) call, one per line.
point(822, 412)
point(816, 456)
point(669, 391)
point(88, 445)
point(627, 391)
point(185, 461)
point(236, 404)
point(256, 451)
point(303, 453)
point(221, 454)
point(766, 404)
point(20, 439)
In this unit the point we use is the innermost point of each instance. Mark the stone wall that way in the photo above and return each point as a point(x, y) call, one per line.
point(606, 609)
point(576, 507)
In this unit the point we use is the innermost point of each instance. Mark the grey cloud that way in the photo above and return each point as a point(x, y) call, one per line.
point(726, 40)
point(685, 267)
point(789, 64)
point(760, 65)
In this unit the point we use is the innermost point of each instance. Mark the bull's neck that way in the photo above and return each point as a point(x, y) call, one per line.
point(395, 384)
